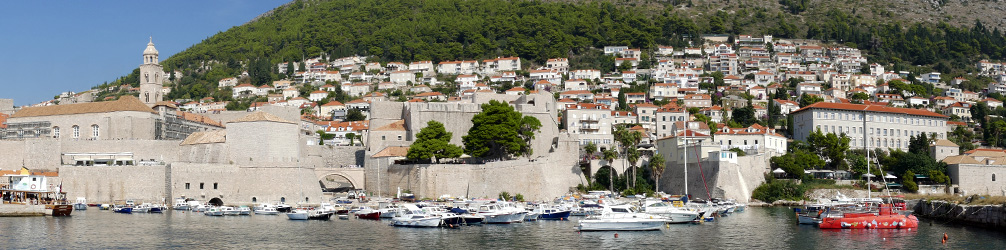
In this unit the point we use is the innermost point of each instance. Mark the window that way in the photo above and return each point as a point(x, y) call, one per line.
point(76, 132)
point(186, 185)
point(383, 138)
point(993, 177)
point(745, 142)
point(756, 142)
point(94, 131)
point(254, 199)
point(55, 132)
point(214, 185)
point(282, 199)
point(399, 137)
point(201, 185)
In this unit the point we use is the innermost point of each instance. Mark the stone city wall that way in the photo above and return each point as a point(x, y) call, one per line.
point(115, 183)
point(722, 178)
point(325, 156)
point(244, 185)
point(993, 216)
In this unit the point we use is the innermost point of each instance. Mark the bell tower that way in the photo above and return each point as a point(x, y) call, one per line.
point(151, 76)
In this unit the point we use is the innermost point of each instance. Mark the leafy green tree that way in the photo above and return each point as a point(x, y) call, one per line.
point(355, 115)
point(744, 116)
point(908, 181)
point(351, 137)
point(807, 100)
point(622, 101)
point(500, 132)
point(859, 97)
point(433, 141)
point(831, 146)
point(322, 136)
point(589, 149)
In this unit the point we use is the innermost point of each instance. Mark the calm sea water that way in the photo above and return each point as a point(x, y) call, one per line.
point(756, 228)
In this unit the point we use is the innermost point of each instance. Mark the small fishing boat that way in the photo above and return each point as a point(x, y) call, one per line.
point(548, 212)
point(213, 211)
point(227, 210)
point(122, 209)
point(368, 213)
point(180, 204)
point(673, 213)
point(267, 211)
point(80, 204)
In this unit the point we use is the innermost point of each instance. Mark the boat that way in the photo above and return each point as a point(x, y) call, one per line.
point(227, 210)
point(531, 216)
point(244, 210)
point(810, 214)
point(267, 211)
point(298, 214)
point(494, 214)
point(80, 204)
point(368, 213)
point(388, 210)
point(621, 218)
point(885, 218)
point(24, 187)
point(447, 218)
point(412, 216)
point(104, 207)
point(283, 208)
point(673, 213)
point(548, 212)
point(180, 204)
point(157, 208)
point(213, 211)
point(343, 216)
point(303, 214)
point(122, 209)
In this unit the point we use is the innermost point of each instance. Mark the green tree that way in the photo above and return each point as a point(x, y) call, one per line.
point(831, 146)
point(433, 141)
point(657, 169)
point(609, 156)
point(355, 115)
point(908, 181)
point(859, 97)
point(500, 132)
point(322, 136)
point(351, 137)
point(621, 101)
point(807, 100)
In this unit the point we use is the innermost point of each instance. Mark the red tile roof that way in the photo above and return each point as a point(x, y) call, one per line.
point(871, 108)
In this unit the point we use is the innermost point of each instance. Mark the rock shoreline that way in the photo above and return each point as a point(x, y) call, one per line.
point(991, 216)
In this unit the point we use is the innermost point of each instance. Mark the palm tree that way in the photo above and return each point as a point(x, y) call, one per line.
point(633, 157)
point(657, 166)
point(590, 148)
point(609, 155)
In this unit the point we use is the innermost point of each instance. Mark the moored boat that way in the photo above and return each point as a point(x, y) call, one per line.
point(621, 218)
point(412, 216)
point(368, 213)
point(80, 204)
point(122, 209)
point(886, 218)
point(213, 211)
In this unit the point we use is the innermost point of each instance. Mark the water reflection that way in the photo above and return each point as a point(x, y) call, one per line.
point(757, 228)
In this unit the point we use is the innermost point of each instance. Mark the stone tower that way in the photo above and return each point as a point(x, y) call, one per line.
point(151, 76)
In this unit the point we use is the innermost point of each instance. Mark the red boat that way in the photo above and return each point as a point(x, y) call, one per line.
point(885, 219)
point(370, 215)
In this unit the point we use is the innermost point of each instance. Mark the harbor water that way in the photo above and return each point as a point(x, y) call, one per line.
point(756, 228)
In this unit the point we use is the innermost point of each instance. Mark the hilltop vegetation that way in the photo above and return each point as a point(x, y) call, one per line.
point(441, 30)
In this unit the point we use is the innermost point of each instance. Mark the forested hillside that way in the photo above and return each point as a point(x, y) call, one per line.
point(440, 30)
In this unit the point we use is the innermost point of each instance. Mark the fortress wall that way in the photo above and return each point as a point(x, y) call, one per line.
point(321, 156)
point(118, 183)
point(238, 185)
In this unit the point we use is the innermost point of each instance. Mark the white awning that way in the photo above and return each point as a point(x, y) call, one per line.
point(778, 171)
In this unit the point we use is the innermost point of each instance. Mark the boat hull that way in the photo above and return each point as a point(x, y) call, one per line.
point(894, 221)
point(555, 216)
point(125, 210)
point(60, 210)
point(369, 216)
point(425, 222)
point(80, 206)
point(297, 216)
point(615, 225)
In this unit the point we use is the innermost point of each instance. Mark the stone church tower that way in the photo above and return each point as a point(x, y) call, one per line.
point(151, 76)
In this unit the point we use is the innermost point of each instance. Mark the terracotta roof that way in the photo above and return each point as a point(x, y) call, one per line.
point(333, 103)
point(984, 153)
point(261, 116)
point(125, 103)
point(198, 118)
point(394, 126)
point(960, 159)
point(944, 143)
point(205, 137)
point(393, 151)
point(983, 149)
point(871, 108)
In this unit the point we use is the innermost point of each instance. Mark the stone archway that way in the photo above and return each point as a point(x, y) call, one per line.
point(337, 182)
point(216, 202)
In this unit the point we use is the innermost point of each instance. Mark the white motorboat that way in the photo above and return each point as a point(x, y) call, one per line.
point(267, 211)
point(229, 210)
point(142, 208)
point(495, 215)
point(213, 211)
point(672, 213)
point(80, 204)
point(412, 216)
point(180, 204)
point(621, 218)
point(388, 211)
point(298, 214)
point(244, 210)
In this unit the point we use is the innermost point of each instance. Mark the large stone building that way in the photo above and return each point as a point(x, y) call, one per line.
point(886, 127)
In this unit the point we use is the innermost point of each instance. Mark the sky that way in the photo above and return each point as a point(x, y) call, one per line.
point(50, 47)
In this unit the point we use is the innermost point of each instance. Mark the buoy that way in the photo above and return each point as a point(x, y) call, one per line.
point(616, 236)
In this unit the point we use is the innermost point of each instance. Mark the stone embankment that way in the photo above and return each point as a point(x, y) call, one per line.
point(993, 216)
point(15, 210)
point(815, 196)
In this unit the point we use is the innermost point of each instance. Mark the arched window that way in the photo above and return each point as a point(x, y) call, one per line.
point(282, 199)
point(993, 177)
point(146, 97)
point(76, 132)
point(55, 132)
point(254, 199)
point(94, 131)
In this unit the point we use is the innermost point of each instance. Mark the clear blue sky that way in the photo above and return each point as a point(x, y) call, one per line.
point(48, 47)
